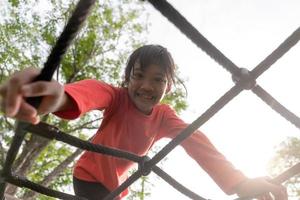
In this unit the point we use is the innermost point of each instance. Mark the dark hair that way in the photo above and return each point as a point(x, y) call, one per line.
point(148, 55)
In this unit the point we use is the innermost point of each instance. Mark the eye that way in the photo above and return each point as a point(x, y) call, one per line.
point(160, 80)
point(137, 75)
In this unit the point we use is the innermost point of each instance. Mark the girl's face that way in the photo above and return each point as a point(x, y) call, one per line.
point(147, 87)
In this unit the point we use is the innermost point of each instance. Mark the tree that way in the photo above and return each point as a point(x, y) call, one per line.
point(28, 30)
point(286, 156)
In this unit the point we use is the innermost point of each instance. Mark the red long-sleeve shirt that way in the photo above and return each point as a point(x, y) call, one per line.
point(126, 128)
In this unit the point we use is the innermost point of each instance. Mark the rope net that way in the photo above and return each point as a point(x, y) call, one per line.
point(244, 80)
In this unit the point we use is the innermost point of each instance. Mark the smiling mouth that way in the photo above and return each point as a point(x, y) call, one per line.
point(145, 96)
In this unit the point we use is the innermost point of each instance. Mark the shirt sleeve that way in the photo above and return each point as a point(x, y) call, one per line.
point(204, 153)
point(87, 95)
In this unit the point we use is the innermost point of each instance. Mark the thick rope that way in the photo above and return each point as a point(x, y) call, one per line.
point(50, 66)
point(286, 175)
point(187, 29)
point(11, 156)
point(75, 22)
point(23, 182)
point(62, 44)
point(135, 176)
point(220, 103)
point(169, 179)
point(182, 24)
point(178, 20)
point(194, 35)
point(275, 105)
point(51, 132)
point(291, 41)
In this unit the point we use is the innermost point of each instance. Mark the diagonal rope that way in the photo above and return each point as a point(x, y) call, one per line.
point(289, 173)
point(219, 104)
point(266, 64)
point(23, 182)
point(51, 132)
point(75, 22)
point(277, 53)
point(275, 105)
point(70, 31)
point(135, 176)
point(10, 156)
point(182, 24)
point(186, 28)
point(169, 179)
point(194, 35)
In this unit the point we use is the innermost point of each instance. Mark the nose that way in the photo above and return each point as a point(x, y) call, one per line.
point(147, 85)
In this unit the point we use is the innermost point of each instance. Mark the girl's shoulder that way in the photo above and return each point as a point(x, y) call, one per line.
point(166, 109)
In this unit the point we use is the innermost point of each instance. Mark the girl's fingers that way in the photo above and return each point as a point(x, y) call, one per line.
point(32, 120)
point(10, 91)
point(266, 196)
point(262, 185)
point(13, 98)
point(27, 113)
point(52, 93)
point(41, 88)
point(279, 192)
point(27, 110)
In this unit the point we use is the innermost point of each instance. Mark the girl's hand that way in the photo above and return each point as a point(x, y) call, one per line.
point(262, 188)
point(20, 86)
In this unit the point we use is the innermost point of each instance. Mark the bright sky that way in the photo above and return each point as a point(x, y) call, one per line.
point(246, 130)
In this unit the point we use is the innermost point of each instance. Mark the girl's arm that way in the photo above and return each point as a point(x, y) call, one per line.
point(230, 180)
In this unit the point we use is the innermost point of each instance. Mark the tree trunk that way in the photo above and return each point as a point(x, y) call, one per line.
point(30, 152)
point(58, 170)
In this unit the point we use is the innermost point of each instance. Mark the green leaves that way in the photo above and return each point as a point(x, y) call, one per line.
point(14, 3)
point(27, 36)
point(100, 51)
point(287, 155)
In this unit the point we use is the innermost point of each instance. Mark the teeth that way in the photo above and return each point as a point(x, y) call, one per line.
point(146, 96)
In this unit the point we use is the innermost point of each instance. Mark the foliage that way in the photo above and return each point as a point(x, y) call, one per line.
point(28, 31)
point(176, 96)
point(287, 156)
point(140, 191)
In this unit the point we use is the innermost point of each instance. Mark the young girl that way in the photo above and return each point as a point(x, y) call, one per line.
point(133, 121)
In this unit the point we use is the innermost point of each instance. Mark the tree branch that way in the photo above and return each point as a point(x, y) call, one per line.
point(84, 125)
point(50, 177)
point(27, 158)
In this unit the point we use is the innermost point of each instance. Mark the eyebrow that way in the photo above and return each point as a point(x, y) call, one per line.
point(156, 74)
point(161, 74)
point(139, 69)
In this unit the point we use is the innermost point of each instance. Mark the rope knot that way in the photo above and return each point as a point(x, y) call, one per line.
point(144, 165)
point(245, 79)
